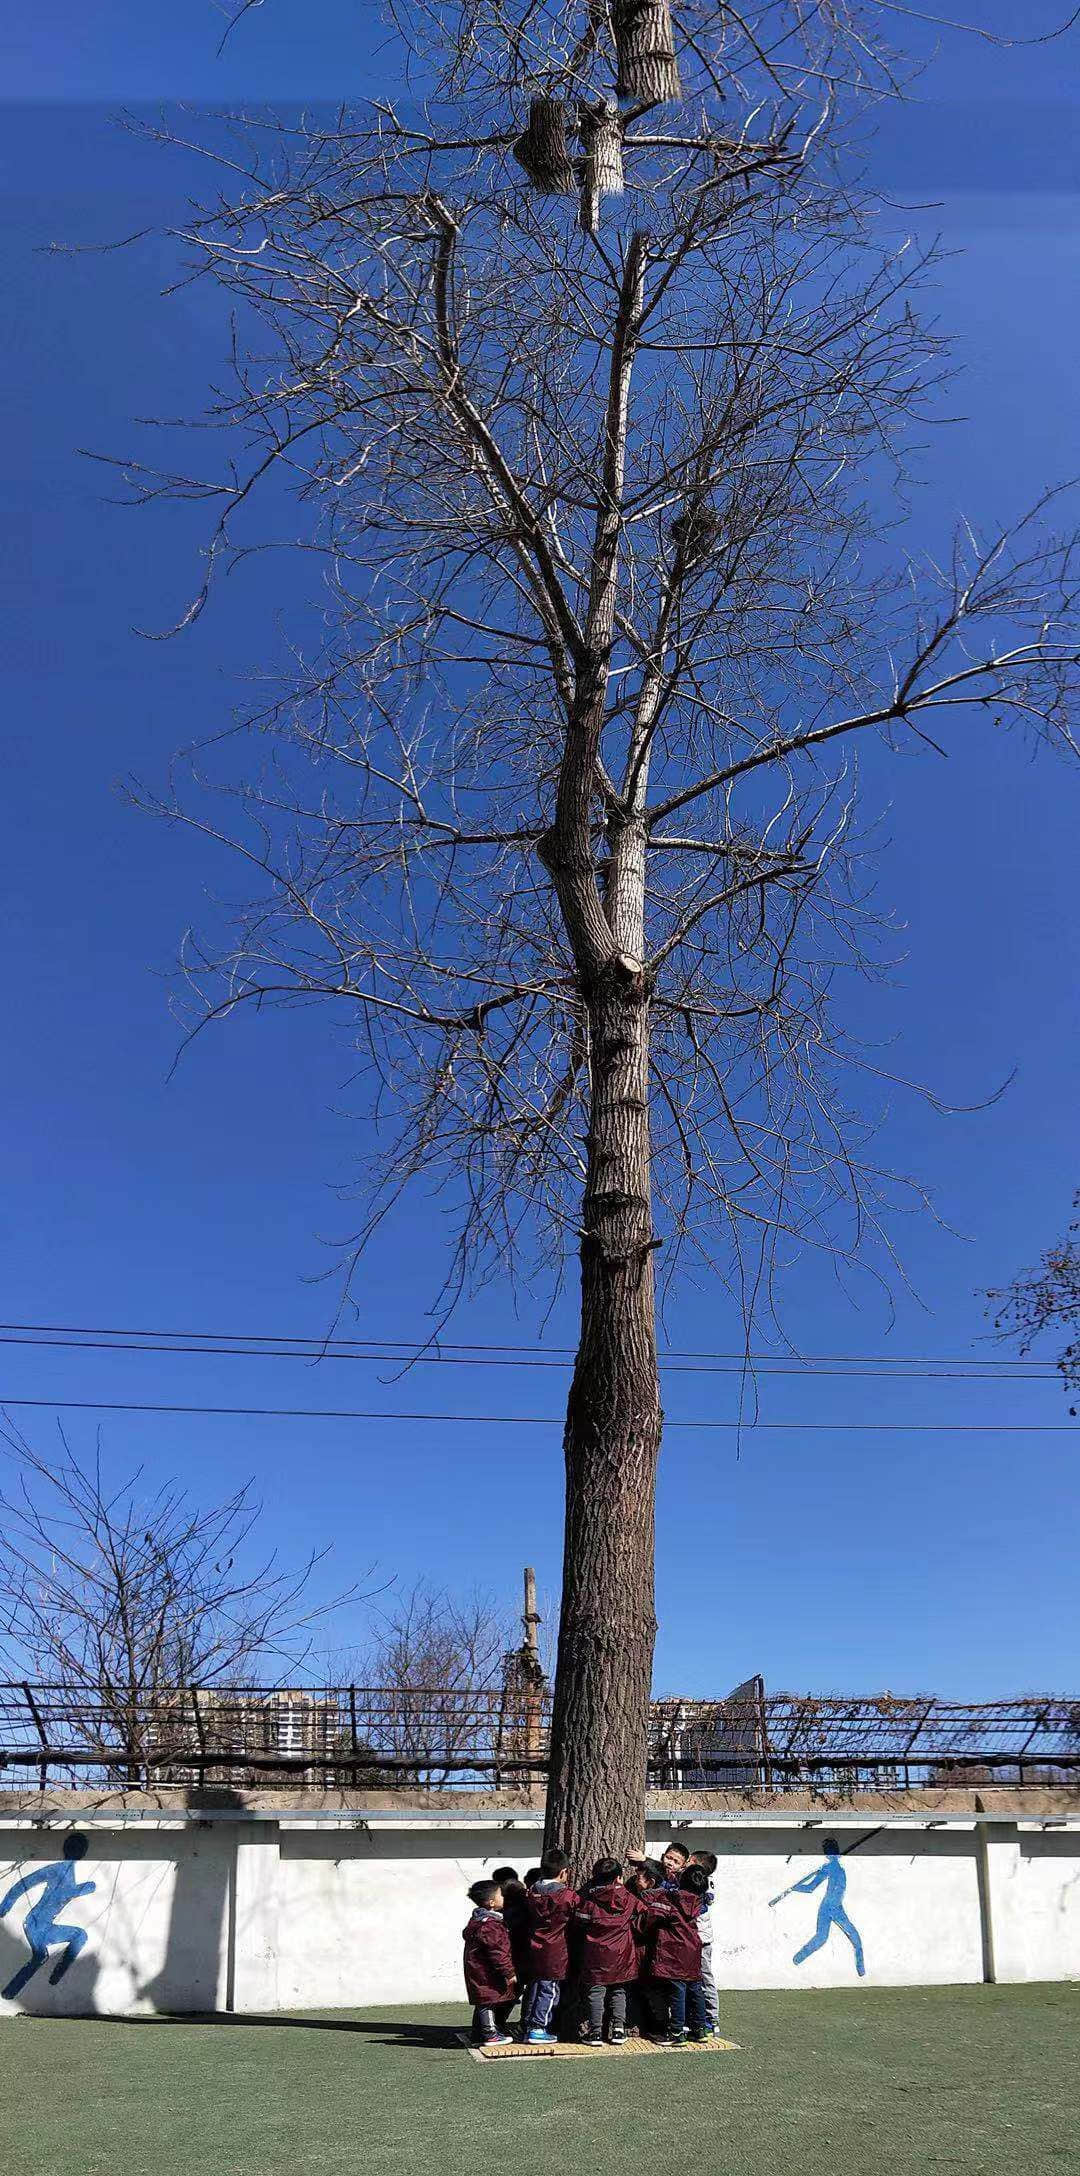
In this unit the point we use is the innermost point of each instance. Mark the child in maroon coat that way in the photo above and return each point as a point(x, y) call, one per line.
point(646, 2004)
point(676, 1951)
point(489, 1966)
point(606, 1918)
point(550, 1904)
point(515, 1892)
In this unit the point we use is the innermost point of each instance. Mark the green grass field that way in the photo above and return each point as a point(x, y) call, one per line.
point(875, 2082)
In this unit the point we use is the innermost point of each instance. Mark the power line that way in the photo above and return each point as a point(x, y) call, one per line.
point(226, 1344)
point(546, 1420)
point(409, 1357)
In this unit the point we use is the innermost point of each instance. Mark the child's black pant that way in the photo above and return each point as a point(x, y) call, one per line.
point(611, 2000)
point(487, 2020)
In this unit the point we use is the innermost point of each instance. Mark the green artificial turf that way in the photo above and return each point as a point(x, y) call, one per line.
point(875, 2082)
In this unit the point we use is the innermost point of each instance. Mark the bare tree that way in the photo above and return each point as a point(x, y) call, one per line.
point(433, 1671)
point(586, 399)
point(1047, 1299)
point(122, 1598)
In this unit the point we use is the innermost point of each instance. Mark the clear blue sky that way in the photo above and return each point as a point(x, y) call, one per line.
point(847, 1560)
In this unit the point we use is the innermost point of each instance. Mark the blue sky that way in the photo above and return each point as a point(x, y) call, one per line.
point(840, 1558)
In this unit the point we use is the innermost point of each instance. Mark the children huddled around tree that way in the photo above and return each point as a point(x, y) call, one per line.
point(631, 1952)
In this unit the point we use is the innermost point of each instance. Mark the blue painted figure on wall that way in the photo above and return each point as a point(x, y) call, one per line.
point(831, 1911)
point(42, 1927)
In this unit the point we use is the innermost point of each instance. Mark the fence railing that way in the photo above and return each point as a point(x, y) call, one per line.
point(447, 1738)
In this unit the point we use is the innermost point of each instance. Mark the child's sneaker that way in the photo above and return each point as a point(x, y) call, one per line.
point(498, 2040)
point(534, 2038)
point(679, 2039)
point(617, 2036)
point(594, 2040)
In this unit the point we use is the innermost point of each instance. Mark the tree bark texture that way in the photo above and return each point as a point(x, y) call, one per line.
point(542, 148)
point(607, 1626)
point(602, 164)
point(646, 51)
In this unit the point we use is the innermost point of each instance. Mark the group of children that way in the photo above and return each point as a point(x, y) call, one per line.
point(632, 1951)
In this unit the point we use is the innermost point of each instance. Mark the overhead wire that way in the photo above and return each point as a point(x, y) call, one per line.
point(240, 1344)
point(536, 1420)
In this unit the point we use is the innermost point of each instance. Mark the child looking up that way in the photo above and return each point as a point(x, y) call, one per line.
point(674, 1860)
point(672, 1866)
point(489, 1966)
point(549, 1908)
point(605, 1918)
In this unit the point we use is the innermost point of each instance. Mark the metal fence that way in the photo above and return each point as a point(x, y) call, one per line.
point(457, 1738)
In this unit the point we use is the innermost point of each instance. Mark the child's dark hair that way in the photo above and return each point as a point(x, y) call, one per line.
point(606, 1870)
point(707, 1859)
point(481, 1894)
point(679, 1848)
point(695, 1879)
point(652, 1870)
point(553, 1862)
point(535, 1874)
point(505, 1873)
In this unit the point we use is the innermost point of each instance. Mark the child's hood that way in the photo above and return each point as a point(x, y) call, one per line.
point(550, 1904)
point(611, 1900)
point(483, 1911)
point(678, 1903)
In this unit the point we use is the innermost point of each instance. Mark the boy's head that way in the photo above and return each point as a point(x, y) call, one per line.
point(695, 1879)
point(605, 1872)
point(707, 1859)
point(555, 1866)
point(534, 1875)
point(505, 1874)
point(675, 1858)
point(644, 1876)
point(486, 1895)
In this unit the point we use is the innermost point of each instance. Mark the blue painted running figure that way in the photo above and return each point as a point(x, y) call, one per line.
point(831, 1911)
point(42, 1928)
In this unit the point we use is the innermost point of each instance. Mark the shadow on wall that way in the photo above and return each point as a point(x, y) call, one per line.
point(195, 1972)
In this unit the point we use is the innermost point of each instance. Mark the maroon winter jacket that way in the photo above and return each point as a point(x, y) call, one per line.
point(548, 1912)
point(605, 1919)
point(515, 1900)
point(643, 1933)
point(676, 1943)
point(489, 1966)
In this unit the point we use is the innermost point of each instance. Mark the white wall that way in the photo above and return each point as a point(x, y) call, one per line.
point(259, 1914)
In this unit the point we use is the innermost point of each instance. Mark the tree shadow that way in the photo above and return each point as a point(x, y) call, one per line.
point(390, 2032)
point(194, 1969)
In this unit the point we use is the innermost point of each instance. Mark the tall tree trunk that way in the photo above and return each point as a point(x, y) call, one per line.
point(607, 1627)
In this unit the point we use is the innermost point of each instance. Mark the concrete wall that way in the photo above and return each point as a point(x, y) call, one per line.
point(264, 1912)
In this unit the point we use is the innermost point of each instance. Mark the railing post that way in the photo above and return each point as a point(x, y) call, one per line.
point(763, 1726)
point(200, 1733)
point(43, 1771)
